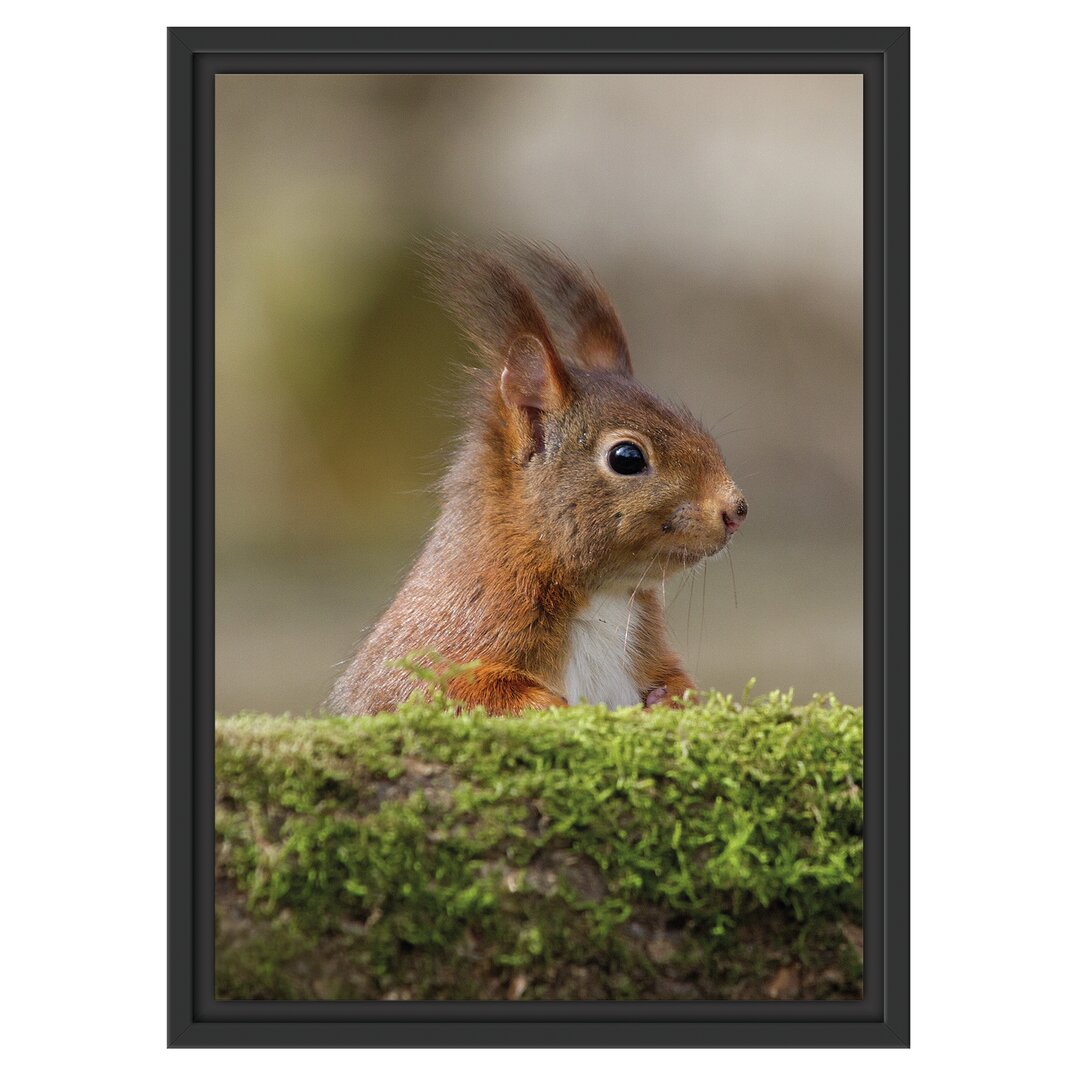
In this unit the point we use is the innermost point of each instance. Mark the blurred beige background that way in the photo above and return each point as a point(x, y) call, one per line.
point(724, 215)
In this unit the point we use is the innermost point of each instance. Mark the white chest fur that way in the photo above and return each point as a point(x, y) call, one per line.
point(603, 643)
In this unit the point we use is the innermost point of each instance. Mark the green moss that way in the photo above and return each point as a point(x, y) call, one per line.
point(569, 853)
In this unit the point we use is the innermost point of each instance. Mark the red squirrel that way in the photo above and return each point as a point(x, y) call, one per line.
point(572, 495)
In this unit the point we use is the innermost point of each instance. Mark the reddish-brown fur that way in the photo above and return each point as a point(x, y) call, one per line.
point(533, 522)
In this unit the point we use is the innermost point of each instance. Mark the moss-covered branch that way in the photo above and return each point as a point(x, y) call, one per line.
point(713, 851)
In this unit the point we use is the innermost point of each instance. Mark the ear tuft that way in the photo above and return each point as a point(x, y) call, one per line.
point(502, 319)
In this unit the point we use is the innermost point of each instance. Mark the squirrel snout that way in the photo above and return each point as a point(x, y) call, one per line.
point(726, 509)
point(734, 514)
point(712, 521)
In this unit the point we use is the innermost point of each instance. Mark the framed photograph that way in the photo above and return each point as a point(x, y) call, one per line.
point(538, 487)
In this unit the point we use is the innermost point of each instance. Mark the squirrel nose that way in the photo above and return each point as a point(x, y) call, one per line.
point(735, 515)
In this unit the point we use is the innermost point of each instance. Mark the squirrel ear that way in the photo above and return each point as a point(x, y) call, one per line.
point(581, 314)
point(533, 377)
point(602, 345)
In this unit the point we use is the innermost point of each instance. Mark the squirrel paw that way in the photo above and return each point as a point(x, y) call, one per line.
point(660, 696)
point(663, 695)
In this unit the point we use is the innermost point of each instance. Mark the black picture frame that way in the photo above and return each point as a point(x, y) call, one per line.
point(195, 56)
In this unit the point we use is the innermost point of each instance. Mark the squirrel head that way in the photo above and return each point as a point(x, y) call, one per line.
point(613, 482)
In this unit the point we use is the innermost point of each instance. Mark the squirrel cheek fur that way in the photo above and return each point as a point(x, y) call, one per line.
point(542, 543)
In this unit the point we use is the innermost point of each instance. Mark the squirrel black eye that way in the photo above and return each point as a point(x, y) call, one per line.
point(627, 458)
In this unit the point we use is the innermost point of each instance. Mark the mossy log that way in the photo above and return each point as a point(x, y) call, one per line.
point(708, 852)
